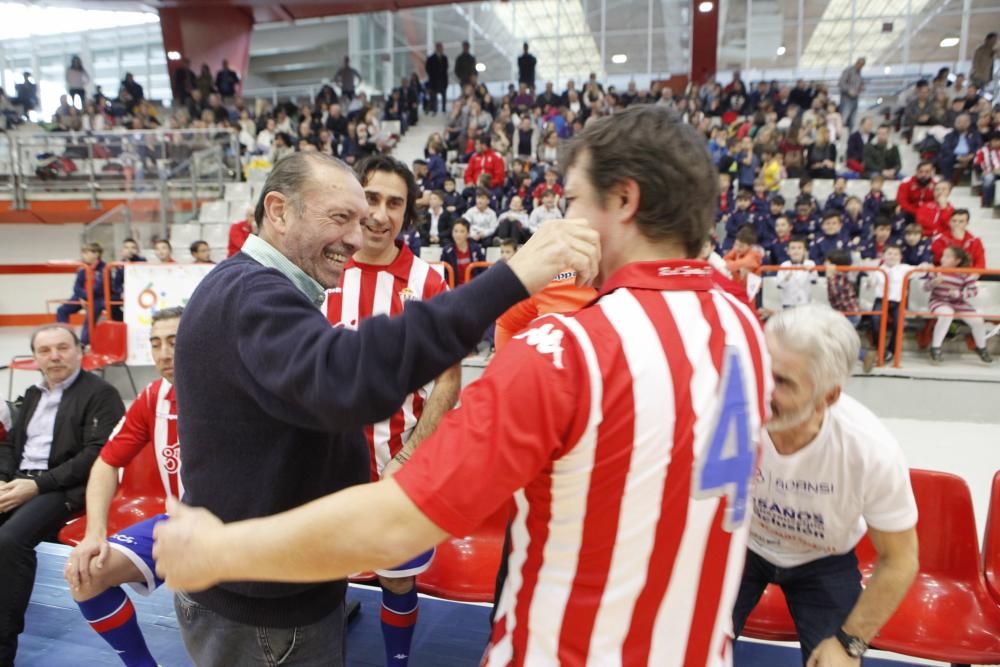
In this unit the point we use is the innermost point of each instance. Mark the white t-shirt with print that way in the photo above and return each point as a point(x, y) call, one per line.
point(819, 501)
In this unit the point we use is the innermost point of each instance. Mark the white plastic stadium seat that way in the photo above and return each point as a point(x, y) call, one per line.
point(214, 211)
point(183, 235)
point(431, 253)
point(216, 235)
point(237, 191)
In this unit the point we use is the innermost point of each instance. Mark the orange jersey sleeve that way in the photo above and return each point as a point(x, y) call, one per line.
point(559, 296)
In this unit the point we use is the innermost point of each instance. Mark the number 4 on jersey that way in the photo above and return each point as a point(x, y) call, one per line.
point(726, 465)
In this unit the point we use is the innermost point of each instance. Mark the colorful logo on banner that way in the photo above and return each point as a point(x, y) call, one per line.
point(150, 288)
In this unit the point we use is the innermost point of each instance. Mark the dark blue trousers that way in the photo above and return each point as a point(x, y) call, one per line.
point(820, 594)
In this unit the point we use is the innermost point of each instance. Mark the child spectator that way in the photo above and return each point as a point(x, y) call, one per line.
point(949, 295)
point(745, 256)
point(874, 248)
point(857, 225)
point(896, 270)
point(833, 237)
point(513, 223)
point(454, 203)
point(806, 192)
point(933, 216)
point(916, 248)
point(163, 251)
point(739, 218)
point(508, 248)
point(773, 170)
point(436, 226)
point(550, 182)
point(90, 254)
point(482, 219)
point(462, 251)
point(796, 286)
point(547, 211)
point(988, 162)
point(746, 165)
point(805, 222)
point(201, 253)
point(958, 235)
point(759, 204)
point(778, 251)
point(873, 200)
point(837, 200)
point(709, 254)
point(843, 296)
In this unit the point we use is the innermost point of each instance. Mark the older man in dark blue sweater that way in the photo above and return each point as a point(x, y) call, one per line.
point(274, 399)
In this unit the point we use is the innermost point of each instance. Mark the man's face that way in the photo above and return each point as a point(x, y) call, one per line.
point(129, 250)
point(584, 202)
point(925, 172)
point(958, 223)
point(320, 237)
point(162, 336)
point(56, 354)
point(202, 253)
point(866, 125)
point(386, 195)
point(942, 190)
point(883, 135)
point(962, 123)
point(923, 93)
point(792, 402)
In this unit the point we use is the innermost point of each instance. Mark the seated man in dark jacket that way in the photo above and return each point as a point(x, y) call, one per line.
point(958, 149)
point(45, 461)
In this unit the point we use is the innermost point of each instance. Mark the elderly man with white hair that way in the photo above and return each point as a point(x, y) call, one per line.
point(829, 471)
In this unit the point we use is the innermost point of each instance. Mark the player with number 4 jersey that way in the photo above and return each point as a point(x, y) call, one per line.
point(626, 434)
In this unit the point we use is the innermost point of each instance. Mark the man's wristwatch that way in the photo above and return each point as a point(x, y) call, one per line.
point(855, 646)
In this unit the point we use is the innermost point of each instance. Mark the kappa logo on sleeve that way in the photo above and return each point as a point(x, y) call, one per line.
point(547, 340)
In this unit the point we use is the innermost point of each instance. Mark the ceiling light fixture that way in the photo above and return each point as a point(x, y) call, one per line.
point(619, 59)
point(949, 42)
point(781, 51)
point(705, 7)
point(480, 67)
point(173, 55)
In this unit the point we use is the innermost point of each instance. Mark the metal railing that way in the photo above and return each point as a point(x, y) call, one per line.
point(882, 313)
point(196, 163)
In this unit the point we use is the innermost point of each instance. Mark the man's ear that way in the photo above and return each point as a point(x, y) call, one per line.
point(275, 205)
point(832, 396)
point(623, 199)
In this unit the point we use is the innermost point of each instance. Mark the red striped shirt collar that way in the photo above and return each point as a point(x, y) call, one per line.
point(660, 275)
point(400, 266)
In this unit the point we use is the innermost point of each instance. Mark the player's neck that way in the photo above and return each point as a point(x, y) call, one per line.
point(648, 251)
point(382, 257)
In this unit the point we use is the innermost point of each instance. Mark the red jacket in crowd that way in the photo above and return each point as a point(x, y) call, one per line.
point(238, 234)
point(486, 162)
point(933, 219)
point(969, 243)
point(910, 195)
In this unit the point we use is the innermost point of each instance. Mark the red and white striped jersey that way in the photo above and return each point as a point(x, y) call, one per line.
point(627, 434)
point(366, 290)
point(151, 419)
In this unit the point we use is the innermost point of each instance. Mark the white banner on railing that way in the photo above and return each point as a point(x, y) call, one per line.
point(150, 288)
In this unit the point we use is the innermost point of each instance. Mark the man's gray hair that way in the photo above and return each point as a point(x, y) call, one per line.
point(58, 326)
point(291, 175)
point(824, 336)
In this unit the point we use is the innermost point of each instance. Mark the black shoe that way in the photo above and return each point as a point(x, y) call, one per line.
point(935, 355)
point(984, 355)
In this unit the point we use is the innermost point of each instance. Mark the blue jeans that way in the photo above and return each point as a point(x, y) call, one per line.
point(212, 640)
point(848, 108)
point(820, 594)
point(989, 189)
